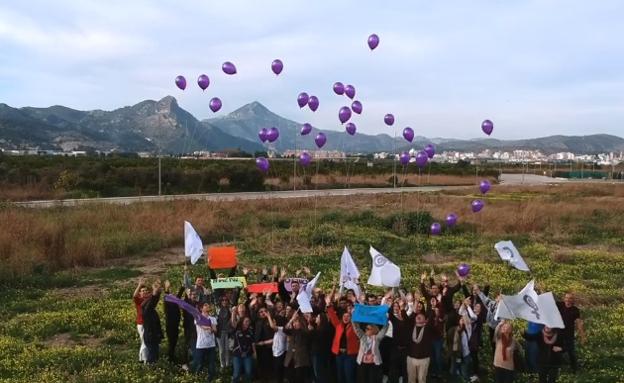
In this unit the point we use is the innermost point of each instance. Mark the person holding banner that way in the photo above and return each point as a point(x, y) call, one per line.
point(206, 347)
point(345, 346)
point(369, 356)
point(224, 330)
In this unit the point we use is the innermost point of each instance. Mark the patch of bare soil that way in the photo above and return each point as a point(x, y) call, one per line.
point(66, 340)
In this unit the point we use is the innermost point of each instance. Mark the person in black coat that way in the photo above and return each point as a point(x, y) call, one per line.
point(550, 356)
point(172, 322)
point(152, 334)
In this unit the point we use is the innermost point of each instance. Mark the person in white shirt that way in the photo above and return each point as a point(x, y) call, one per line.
point(206, 351)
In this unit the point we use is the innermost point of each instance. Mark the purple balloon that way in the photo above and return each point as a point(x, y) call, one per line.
point(421, 159)
point(389, 119)
point(356, 107)
point(320, 139)
point(349, 90)
point(350, 128)
point(302, 99)
point(215, 104)
point(304, 159)
point(180, 82)
point(408, 134)
point(228, 68)
point(373, 41)
point(463, 270)
point(339, 88)
point(484, 186)
point(404, 158)
point(487, 126)
point(262, 164)
point(277, 66)
point(306, 129)
point(262, 134)
point(203, 81)
point(272, 134)
point(477, 205)
point(436, 229)
point(313, 103)
point(430, 150)
point(451, 220)
point(344, 114)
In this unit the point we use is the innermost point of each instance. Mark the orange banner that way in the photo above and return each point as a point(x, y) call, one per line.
point(261, 288)
point(222, 257)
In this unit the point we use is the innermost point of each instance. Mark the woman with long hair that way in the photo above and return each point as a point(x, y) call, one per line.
point(504, 367)
point(243, 352)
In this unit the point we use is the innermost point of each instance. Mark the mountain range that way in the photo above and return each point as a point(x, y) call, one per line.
point(164, 127)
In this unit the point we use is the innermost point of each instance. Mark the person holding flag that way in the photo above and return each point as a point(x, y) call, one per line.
point(369, 356)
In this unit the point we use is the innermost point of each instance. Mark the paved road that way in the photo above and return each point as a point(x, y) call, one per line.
point(505, 179)
point(233, 196)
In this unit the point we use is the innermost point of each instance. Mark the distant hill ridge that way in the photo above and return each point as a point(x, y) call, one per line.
point(163, 126)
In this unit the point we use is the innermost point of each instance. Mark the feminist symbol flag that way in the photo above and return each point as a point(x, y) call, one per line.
point(384, 272)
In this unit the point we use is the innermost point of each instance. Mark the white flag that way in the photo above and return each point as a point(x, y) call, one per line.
point(348, 270)
point(193, 246)
point(508, 252)
point(305, 294)
point(384, 272)
point(529, 306)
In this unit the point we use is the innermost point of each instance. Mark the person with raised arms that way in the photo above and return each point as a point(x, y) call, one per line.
point(140, 295)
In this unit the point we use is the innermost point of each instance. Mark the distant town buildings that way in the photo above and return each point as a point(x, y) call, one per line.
point(486, 156)
point(524, 156)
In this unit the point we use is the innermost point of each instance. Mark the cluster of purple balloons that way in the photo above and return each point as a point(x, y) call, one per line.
point(203, 81)
point(451, 220)
point(268, 135)
point(477, 205)
point(344, 113)
point(304, 99)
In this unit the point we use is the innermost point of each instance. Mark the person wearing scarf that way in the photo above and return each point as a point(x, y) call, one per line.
point(369, 356)
point(461, 342)
point(419, 350)
point(504, 369)
point(550, 353)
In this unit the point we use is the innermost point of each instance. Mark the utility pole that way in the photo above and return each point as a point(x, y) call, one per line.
point(159, 176)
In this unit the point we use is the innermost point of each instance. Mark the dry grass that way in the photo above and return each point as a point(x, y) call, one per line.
point(64, 238)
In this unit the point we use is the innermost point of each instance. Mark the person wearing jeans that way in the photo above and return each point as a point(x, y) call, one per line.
point(140, 295)
point(345, 346)
point(206, 348)
point(243, 353)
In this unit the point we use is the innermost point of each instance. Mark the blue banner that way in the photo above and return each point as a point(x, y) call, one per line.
point(371, 314)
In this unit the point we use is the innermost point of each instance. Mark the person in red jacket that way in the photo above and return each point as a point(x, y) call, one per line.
point(345, 346)
point(140, 295)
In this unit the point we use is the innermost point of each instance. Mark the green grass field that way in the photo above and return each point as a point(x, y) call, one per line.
point(75, 323)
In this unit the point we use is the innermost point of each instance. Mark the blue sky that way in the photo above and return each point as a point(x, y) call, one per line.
point(535, 68)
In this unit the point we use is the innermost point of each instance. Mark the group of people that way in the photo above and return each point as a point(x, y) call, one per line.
point(437, 332)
